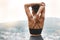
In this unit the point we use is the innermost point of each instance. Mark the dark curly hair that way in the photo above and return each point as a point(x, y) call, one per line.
point(35, 8)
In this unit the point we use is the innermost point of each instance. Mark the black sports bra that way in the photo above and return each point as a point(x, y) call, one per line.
point(35, 31)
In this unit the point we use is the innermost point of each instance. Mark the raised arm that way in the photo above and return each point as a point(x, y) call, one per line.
point(42, 7)
point(43, 13)
point(26, 6)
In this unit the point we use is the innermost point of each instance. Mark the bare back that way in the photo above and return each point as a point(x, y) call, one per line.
point(36, 21)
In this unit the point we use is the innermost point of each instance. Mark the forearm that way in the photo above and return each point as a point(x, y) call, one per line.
point(31, 4)
point(42, 7)
point(27, 5)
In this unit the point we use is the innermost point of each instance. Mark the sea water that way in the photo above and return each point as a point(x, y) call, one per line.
point(20, 31)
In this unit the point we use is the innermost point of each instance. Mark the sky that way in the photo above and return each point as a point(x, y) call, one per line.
point(13, 10)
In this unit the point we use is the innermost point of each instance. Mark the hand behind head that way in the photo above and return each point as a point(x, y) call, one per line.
point(42, 3)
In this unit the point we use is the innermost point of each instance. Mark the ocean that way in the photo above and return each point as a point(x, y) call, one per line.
point(20, 30)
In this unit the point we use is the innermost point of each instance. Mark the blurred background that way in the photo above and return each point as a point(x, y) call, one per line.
point(13, 10)
point(13, 20)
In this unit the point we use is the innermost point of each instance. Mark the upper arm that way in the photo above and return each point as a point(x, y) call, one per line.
point(43, 12)
point(42, 16)
point(27, 11)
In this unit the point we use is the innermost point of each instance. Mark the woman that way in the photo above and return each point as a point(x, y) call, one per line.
point(36, 18)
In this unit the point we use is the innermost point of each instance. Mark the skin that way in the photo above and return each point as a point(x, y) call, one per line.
point(38, 21)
